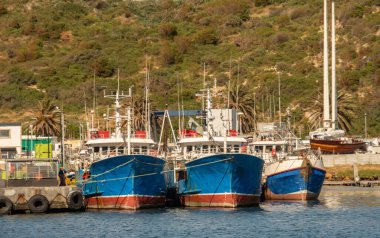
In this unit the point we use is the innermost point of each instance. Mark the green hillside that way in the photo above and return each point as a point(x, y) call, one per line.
point(53, 48)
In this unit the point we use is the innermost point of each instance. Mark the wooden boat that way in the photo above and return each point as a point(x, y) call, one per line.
point(338, 145)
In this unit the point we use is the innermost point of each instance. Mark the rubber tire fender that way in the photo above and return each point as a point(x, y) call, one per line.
point(75, 200)
point(6, 205)
point(38, 204)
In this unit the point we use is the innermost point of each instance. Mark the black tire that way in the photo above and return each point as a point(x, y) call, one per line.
point(75, 200)
point(6, 205)
point(38, 204)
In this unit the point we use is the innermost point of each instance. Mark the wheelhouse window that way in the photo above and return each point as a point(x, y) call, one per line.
point(5, 134)
point(136, 150)
point(96, 149)
point(236, 148)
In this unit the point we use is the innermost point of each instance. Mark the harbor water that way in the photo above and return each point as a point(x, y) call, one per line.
point(339, 212)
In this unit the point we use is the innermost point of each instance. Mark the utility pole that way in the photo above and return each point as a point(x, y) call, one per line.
point(62, 138)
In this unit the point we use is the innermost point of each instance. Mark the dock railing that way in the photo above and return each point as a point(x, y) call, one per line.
point(29, 172)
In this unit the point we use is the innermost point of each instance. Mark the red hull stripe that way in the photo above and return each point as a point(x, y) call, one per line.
point(292, 196)
point(220, 200)
point(125, 202)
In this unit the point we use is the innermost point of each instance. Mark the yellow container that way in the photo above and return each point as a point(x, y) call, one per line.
point(3, 175)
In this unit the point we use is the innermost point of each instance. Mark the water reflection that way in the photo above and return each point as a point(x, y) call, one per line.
point(347, 197)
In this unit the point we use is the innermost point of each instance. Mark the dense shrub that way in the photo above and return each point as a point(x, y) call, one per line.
point(103, 67)
point(3, 10)
point(167, 54)
point(297, 13)
point(280, 38)
point(207, 36)
point(22, 77)
point(167, 30)
point(27, 53)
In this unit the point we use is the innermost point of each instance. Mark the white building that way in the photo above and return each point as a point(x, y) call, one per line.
point(10, 140)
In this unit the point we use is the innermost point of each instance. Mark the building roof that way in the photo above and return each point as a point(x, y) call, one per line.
point(10, 123)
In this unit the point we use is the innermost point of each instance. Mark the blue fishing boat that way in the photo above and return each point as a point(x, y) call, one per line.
point(126, 182)
point(126, 172)
point(294, 178)
point(292, 171)
point(222, 180)
point(218, 172)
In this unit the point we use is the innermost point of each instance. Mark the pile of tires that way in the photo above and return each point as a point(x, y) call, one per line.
point(40, 204)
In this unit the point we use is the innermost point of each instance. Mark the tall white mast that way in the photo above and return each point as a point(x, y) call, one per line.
point(334, 106)
point(326, 101)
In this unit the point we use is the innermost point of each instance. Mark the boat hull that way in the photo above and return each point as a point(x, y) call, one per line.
point(126, 182)
point(302, 181)
point(336, 146)
point(225, 180)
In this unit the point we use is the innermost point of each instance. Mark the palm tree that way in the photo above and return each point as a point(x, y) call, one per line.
point(138, 111)
point(346, 111)
point(47, 122)
point(243, 101)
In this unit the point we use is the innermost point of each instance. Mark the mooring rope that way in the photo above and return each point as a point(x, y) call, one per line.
point(90, 180)
point(110, 170)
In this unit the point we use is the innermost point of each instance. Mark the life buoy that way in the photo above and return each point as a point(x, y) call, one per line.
point(6, 205)
point(244, 149)
point(75, 200)
point(38, 204)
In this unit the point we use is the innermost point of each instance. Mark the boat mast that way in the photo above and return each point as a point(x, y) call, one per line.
point(147, 122)
point(118, 96)
point(326, 101)
point(334, 108)
point(128, 130)
point(179, 110)
point(279, 97)
point(208, 115)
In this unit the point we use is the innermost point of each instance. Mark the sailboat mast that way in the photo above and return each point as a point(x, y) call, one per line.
point(326, 101)
point(334, 108)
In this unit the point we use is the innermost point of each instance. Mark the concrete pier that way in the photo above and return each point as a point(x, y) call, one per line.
point(57, 197)
point(350, 159)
